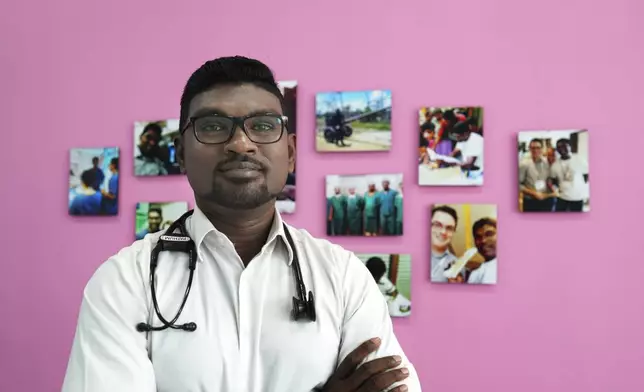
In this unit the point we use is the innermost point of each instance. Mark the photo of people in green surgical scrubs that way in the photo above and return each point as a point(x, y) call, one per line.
point(364, 205)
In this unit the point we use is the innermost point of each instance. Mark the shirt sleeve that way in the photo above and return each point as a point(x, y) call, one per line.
point(108, 354)
point(523, 170)
point(367, 316)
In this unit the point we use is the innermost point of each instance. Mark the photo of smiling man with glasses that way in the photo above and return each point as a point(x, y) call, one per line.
point(463, 243)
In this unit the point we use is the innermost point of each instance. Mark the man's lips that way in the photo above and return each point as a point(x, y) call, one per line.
point(240, 166)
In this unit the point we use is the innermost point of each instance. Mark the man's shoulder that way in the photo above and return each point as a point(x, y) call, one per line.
point(322, 252)
point(129, 265)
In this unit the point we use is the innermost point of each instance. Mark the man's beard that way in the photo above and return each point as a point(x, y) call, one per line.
point(241, 196)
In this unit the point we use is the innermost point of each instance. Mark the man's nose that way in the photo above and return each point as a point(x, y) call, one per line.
point(240, 143)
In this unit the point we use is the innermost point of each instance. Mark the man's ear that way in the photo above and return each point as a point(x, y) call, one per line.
point(178, 144)
point(292, 141)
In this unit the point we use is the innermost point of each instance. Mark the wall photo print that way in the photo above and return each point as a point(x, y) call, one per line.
point(553, 171)
point(286, 199)
point(392, 273)
point(93, 181)
point(154, 150)
point(364, 205)
point(353, 121)
point(153, 217)
point(451, 146)
point(464, 243)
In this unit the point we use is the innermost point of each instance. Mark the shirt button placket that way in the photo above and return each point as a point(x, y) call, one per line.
point(244, 332)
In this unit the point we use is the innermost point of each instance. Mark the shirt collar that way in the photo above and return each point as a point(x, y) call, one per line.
point(199, 226)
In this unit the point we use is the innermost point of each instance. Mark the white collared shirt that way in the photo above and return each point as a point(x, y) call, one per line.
point(245, 340)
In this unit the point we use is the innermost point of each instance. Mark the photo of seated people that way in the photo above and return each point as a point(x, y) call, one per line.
point(93, 181)
point(153, 217)
point(392, 273)
point(154, 150)
point(451, 146)
point(463, 243)
point(286, 200)
point(364, 205)
point(553, 171)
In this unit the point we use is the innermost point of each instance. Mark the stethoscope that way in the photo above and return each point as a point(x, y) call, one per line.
point(181, 242)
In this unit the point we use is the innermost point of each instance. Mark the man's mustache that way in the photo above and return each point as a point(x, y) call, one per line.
point(239, 159)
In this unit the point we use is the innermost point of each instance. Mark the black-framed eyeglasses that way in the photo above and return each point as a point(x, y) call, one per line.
point(218, 129)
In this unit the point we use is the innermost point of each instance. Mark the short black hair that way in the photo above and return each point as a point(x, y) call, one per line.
point(428, 126)
point(563, 141)
point(448, 210)
point(233, 70)
point(95, 159)
point(483, 222)
point(377, 267)
point(449, 115)
point(155, 209)
point(115, 162)
point(154, 127)
point(536, 140)
point(88, 178)
point(461, 127)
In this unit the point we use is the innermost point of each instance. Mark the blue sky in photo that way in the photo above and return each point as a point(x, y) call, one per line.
point(358, 100)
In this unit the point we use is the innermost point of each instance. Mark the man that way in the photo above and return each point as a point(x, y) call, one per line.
point(354, 212)
point(148, 162)
point(443, 226)
point(87, 200)
point(110, 205)
point(398, 206)
point(387, 197)
point(533, 180)
point(98, 172)
point(155, 219)
point(570, 174)
point(338, 212)
point(469, 145)
point(484, 231)
point(337, 122)
point(235, 150)
point(371, 208)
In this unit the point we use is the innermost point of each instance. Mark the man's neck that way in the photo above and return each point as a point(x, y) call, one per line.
point(439, 250)
point(247, 229)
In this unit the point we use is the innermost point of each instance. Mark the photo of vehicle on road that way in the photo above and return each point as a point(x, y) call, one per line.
point(353, 121)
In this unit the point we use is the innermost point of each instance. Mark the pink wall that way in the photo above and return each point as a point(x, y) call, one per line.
point(568, 312)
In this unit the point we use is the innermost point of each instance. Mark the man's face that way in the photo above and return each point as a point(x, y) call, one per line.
point(372, 187)
point(485, 241)
point(154, 221)
point(562, 149)
point(535, 150)
point(352, 191)
point(551, 155)
point(385, 185)
point(237, 174)
point(463, 136)
point(149, 142)
point(336, 190)
point(95, 162)
point(443, 227)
